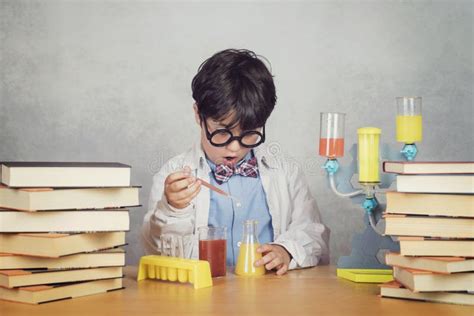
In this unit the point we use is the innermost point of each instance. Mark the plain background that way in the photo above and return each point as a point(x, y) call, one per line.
point(110, 80)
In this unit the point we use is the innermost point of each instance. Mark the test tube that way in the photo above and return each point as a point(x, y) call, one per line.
point(331, 136)
point(409, 120)
point(368, 154)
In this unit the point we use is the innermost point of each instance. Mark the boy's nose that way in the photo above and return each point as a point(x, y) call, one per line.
point(234, 145)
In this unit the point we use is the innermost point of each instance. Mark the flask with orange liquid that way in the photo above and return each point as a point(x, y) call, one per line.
point(248, 251)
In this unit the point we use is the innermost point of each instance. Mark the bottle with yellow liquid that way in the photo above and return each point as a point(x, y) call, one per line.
point(248, 251)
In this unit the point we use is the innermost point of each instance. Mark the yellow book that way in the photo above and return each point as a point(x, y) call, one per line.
point(366, 275)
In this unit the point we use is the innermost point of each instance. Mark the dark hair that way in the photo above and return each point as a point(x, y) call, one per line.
point(235, 81)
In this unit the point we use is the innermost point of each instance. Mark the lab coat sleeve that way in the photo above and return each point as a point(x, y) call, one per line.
point(163, 218)
point(306, 239)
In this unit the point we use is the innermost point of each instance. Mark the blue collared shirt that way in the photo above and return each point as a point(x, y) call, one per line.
point(224, 212)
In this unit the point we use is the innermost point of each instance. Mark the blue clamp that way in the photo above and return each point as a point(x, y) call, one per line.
point(409, 151)
point(369, 204)
point(331, 166)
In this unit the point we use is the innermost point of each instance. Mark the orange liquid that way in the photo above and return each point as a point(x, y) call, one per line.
point(331, 147)
point(245, 263)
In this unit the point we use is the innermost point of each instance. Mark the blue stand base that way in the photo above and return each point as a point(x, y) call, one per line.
point(368, 247)
point(409, 151)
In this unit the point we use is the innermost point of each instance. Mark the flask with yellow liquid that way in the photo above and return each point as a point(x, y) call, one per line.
point(248, 251)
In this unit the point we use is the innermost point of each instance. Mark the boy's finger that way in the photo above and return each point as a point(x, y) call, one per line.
point(264, 248)
point(187, 169)
point(174, 202)
point(196, 191)
point(182, 184)
point(196, 188)
point(265, 259)
point(282, 270)
point(177, 176)
point(171, 197)
point(186, 193)
point(273, 264)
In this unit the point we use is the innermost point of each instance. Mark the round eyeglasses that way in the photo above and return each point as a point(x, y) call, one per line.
point(223, 136)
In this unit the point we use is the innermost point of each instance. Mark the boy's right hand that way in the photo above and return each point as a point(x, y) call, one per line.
point(181, 188)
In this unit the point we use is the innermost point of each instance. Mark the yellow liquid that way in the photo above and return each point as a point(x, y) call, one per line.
point(247, 256)
point(368, 153)
point(409, 129)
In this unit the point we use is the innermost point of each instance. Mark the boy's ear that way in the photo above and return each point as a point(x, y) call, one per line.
point(196, 114)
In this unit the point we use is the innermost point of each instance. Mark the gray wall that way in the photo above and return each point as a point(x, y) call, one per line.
point(110, 80)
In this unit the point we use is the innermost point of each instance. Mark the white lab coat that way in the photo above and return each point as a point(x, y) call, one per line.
point(295, 216)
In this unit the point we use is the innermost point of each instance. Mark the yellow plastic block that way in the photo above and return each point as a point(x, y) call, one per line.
point(196, 272)
point(366, 275)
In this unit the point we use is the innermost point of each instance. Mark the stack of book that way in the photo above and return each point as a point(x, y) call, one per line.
point(61, 229)
point(432, 213)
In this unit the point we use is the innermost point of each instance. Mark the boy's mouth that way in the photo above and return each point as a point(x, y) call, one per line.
point(230, 160)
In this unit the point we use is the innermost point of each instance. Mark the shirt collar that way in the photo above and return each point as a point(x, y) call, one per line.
point(247, 157)
point(196, 158)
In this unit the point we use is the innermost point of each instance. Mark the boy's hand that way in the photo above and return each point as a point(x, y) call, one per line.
point(181, 188)
point(275, 256)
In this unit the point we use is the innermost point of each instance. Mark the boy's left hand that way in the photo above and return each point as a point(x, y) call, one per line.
point(274, 256)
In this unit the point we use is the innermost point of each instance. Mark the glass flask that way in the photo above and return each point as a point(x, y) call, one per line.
point(248, 251)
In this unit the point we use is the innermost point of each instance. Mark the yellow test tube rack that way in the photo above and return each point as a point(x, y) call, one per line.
point(196, 272)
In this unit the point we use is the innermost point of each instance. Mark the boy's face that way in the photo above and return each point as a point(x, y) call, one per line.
point(229, 154)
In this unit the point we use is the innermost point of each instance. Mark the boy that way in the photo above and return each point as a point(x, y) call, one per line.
point(234, 95)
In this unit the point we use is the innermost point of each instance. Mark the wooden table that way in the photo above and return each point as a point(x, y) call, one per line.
point(315, 291)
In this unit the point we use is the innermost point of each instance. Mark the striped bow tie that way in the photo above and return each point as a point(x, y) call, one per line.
point(247, 169)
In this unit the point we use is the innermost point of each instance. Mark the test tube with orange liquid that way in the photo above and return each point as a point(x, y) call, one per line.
point(331, 141)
